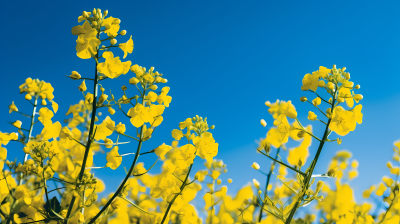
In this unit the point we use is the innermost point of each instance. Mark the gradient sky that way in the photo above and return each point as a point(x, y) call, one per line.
point(223, 60)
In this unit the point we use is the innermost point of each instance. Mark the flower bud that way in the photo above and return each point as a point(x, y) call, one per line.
point(107, 26)
point(321, 83)
point(157, 80)
point(85, 14)
point(256, 184)
point(357, 87)
point(102, 89)
point(82, 87)
point(102, 98)
point(111, 111)
point(116, 21)
point(17, 124)
point(263, 122)
point(301, 133)
point(320, 184)
point(259, 191)
point(346, 75)
point(219, 181)
point(44, 103)
point(303, 99)
point(94, 23)
point(122, 33)
point(164, 80)
point(153, 87)
point(212, 127)
point(230, 180)
point(358, 97)
point(339, 141)
point(255, 166)
point(75, 75)
point(105, 12)
point(332, 172)
point(330, 85)
point(124, 88)
point(28, 96)
point(275, 123)
point(300, 162)
point(133, 81)
point(113, 41)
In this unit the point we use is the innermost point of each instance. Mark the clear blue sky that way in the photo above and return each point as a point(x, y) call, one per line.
point(223, 60)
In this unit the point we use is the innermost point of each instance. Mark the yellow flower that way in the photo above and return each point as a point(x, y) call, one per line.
point(281, 107)
point(17, 124)
point(163, 98)
point(161, 150)
point(343, 121)
point(87, 42)
point(186, 124)
point(166, 186)
point(12, 107)
point(177, 134)
point(185, 156)
point(280, 135)
point(113, 67)
point(301, 152)
point(127, 47)
point(312, 116)
point(140, 115)
point(206, 146)
point(316, 101)
point(112, 26)
point(105, 129)
point(346, 95)
point(82, 87)
point(215, 174)
point(23, 194)
point(45, 116)
point(120, 128)
point(113, 158)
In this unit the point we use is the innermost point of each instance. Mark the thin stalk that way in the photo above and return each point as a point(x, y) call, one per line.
point(121, 186)
point(266, 185)
point(172, 202)
point(313, 164)
point(89, 142)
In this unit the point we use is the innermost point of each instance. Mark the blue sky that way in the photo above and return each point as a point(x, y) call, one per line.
point(223, 60)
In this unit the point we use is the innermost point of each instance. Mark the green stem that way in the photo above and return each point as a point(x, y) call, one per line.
point(312, 166)
point(172, 202)
point(121, 186)
point(266, 185)
point(92, 121)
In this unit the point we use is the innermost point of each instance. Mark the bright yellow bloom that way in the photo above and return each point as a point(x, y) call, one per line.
point(22, 194)
point(177, 134)
point(127, 47)
point(113, 67)
point(185, 156)
point(112, 26)
point(104, 129)
point(161, 150)
point(206, 146)
point(343, 121)
point(166, 186)
point(301, 152)
point(45, 116)
point(140, 115)
point(17, 124)
point(215, 174)
point(87, 42)
point(311, 81)
point(163, 98)
point(5, 137)
point(120, 128)
point(312, 116)
point(346, 95)
point(316, 101)
point(186, 124)
point(280, 135)
point(113, 158)
point(281, 107)
point(12, 107)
